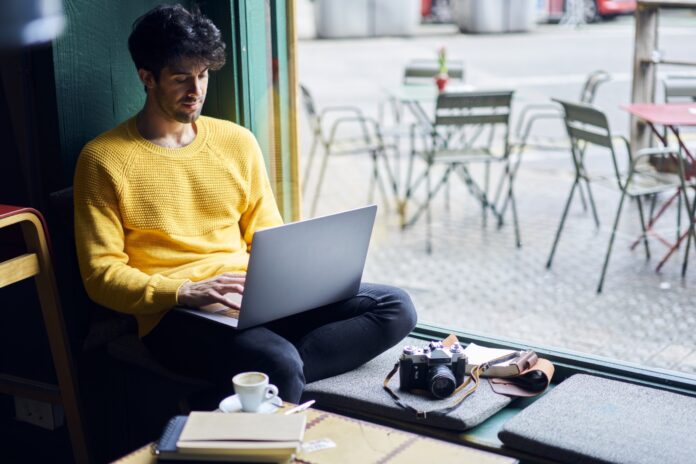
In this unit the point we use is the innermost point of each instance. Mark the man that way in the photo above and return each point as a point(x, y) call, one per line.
point(166, 207)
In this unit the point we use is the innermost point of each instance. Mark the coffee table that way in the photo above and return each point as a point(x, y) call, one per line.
point(361, 441)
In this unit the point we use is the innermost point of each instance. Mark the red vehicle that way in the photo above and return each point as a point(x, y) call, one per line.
point(608, 8)
point(595, 10)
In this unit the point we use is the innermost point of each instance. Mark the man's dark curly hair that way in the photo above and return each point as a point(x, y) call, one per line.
point(168, 33)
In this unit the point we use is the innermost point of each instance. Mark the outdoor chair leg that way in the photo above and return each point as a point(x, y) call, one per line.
point(322, 171)
point(428, 218)
point(582, 173)
point(690, 210)
point(377, 179)
point(447, 196)
point(518, 240)
point(595, 216)
point(686, 254)
point(408, 189)
point(476, 191)
point(433, 193)
point(582, 198)
point(560, 226)
point(580, 190)
point(374, 180)
point(653, 203)
point(679, 203)
point(642, 226)
point(310, 161)
point(611, 243)
point(486, 182)
point(391, 177)
point(509, 175)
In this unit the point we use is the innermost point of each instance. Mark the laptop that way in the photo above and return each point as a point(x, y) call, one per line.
point(299, 266)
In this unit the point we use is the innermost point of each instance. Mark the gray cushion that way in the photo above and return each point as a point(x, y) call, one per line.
point(588, 419)
point(361, 391)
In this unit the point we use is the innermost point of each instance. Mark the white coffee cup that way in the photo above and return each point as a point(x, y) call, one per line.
point(253, 390)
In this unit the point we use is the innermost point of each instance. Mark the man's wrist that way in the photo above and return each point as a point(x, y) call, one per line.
point(182, 291)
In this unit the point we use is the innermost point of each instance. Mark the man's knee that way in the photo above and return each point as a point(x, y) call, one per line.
point(286, 371)
point(407, 316)
point(395, 306)
point(264, 350)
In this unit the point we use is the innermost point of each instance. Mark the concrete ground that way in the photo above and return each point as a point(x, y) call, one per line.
point(476, 279)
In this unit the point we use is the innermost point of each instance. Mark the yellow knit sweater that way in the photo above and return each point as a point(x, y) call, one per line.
point(148, 218)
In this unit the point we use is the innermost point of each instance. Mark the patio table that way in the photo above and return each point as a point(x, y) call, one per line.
point(671, 116)
point(414, 96)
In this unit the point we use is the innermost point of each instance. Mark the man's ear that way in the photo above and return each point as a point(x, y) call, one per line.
point(147, 78)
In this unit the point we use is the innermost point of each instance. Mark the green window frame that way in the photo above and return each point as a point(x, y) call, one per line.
point(258, 87)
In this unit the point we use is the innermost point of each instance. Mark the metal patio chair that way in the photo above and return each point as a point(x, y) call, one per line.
point(457, 139)
point(335, 136)
point(534, 112)
point(587, 125)
point(680, 87)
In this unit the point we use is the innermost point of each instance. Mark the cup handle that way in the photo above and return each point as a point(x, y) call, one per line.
point(271, 392)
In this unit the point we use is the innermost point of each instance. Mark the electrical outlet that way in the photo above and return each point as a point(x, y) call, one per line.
point(45, 415)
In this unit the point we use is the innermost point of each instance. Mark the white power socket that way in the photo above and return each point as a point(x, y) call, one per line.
point(46, 415)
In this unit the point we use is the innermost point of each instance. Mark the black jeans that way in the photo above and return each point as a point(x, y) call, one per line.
point(293, 351)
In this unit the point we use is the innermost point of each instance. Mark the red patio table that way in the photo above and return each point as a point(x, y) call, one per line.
point(671, 116)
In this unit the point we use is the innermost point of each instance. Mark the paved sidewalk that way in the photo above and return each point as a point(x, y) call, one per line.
point(476, 279)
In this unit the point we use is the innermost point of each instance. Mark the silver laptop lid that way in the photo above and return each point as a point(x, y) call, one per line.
point(304, 265)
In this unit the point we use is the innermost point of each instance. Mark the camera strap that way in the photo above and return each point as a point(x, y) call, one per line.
point(474, 376)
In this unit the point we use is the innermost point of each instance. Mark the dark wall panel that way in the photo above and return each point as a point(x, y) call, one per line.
point(97, 86)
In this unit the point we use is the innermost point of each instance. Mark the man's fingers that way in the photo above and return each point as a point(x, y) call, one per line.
point(234, 274)
point(228, 288)
point(218, 298)
point(228, 279)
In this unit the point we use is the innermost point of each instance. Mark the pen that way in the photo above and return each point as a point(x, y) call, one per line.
point(299, 408)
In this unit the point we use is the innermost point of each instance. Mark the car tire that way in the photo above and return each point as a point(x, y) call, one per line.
point(590, 11)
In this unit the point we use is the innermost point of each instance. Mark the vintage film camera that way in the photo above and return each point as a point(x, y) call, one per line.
point(437, 368)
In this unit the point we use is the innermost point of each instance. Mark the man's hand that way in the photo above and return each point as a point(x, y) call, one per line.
point(205, 292)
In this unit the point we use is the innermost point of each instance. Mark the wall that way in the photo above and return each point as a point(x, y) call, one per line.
point(96, 84)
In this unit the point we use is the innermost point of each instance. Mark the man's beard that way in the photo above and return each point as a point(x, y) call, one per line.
point(183, 117)
point(187, 118)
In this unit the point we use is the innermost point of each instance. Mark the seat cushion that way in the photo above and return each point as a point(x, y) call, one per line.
point(594, 420)
point(360, 391)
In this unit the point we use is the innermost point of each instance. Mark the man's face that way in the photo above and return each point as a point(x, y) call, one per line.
point(180, 90)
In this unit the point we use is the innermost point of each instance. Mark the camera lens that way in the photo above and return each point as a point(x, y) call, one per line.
point(441, 381)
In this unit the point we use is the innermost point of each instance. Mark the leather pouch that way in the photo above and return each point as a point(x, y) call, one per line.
point(530, 382)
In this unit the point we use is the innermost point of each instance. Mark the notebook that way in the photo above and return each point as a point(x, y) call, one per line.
point(299, 266)
point(241, 437)
point(477, 355)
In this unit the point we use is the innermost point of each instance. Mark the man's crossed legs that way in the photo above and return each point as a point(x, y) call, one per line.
point(294, 350)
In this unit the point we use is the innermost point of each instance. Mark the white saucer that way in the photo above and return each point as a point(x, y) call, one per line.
point(232, 404)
